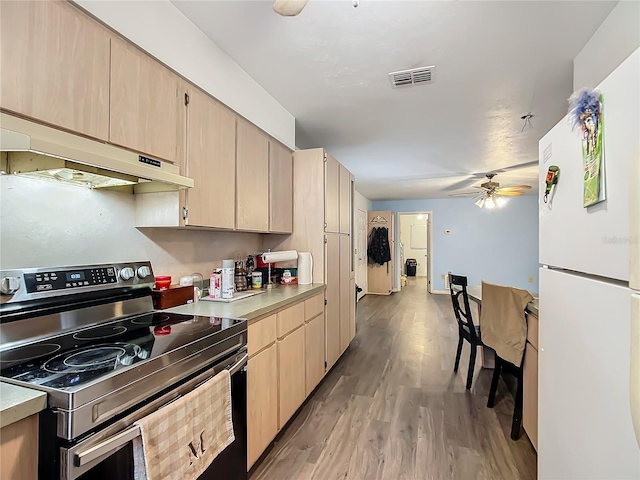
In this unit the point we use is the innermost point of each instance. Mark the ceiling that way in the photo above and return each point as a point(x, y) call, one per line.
point(495, 61)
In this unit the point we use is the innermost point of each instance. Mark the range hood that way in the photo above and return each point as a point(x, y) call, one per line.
point(38, 151)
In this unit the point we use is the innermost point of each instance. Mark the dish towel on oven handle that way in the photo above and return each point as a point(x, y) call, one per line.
point(179, 441)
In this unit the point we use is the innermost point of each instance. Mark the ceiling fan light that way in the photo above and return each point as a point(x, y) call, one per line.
point(480, 202)
point(500, 201)
point(489, 203)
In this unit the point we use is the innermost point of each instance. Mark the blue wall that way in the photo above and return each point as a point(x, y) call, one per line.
point(499, 245)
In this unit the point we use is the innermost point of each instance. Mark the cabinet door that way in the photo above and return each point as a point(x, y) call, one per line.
point(352, 309)
point(19, 448)
point(345, 296)
point(332, 195)
point(54, 66)
point(332, 310)
point(314, 352)
point(345, 200)
point(252, 178)
point(530, 394)
point(280, 189)
point(211, 162)
point(291, 375)
point(147, 111)
point(262, 403)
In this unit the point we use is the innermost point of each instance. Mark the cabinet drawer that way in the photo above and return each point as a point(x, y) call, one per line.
point(261, 334)
point(313, 307)
point(290, 319)
point(532, 330)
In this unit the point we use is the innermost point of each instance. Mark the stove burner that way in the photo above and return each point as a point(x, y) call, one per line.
point(29, 352)
point(94, 357)
point(99, 333)
point(89, 359)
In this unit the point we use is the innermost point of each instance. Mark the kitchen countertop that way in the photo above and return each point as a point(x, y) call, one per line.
point(475, 294)
point(252, 307)
point(17, 403)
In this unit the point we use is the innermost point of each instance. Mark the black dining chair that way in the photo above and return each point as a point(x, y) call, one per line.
point(466, 329)
point(503, 366)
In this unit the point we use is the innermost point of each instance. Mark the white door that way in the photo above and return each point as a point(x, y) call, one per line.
point(361, 252)
point(584, 413)
point(593, 240)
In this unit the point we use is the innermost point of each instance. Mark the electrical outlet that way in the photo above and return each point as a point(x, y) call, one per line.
point(530, 279)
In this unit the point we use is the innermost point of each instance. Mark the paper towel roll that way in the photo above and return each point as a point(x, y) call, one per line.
point(305, 268)
point(283, 256)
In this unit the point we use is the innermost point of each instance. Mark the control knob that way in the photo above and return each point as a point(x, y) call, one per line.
point(144, 272)
point(9, 285)
point(127, 273)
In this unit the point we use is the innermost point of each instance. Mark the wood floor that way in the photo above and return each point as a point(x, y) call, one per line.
point(392, 408)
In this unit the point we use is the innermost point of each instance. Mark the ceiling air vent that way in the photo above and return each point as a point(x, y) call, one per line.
point(413, 76)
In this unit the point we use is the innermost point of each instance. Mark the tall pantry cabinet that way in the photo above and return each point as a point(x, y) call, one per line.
point(322, 212)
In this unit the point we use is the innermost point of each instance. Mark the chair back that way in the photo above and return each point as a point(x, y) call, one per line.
point(458, 288)
point(504, 326)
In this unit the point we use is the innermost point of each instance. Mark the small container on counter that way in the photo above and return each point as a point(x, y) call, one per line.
point(215, 285)
point(228, 284)
point(256, 280)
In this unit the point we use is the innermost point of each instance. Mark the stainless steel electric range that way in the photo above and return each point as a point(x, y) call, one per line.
point(89, 338)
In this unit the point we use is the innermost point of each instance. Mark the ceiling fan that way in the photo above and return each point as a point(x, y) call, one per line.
point(491, 195)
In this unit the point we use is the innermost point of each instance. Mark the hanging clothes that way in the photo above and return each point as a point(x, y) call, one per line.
point(379, 250)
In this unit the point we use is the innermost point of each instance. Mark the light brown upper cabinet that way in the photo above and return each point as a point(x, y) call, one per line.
point(332, 195)
point(147, 111)
point(54, 66)
point(211, 162)
point(345, 200)
point(252, 178)
point(280, 188)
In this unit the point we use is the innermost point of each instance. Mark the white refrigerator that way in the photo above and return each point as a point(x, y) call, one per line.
point(590, 298)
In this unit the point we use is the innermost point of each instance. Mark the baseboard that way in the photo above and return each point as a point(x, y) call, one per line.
point(440, 292)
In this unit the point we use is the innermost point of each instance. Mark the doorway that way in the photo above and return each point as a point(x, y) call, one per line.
point(416, 243)
point(361, 252)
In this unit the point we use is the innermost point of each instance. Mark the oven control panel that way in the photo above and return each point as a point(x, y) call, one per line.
point(34, 283)
point(57, 280)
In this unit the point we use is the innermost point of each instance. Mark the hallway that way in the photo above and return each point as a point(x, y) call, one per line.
point(392, 407)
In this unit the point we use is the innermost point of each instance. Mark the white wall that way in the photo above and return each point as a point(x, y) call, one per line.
point(44, 224)
point(616, 38)
point(162, 30)
point(407, 222)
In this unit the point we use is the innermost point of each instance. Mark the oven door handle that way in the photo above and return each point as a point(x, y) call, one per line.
point(233, 369)
point(106, 446)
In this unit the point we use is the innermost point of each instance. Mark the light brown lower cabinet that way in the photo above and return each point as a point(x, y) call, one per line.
point(262, 403)
point(291, 374)
point(19, 450)
point(314, 352)
point(530, 394)
point(352, 309)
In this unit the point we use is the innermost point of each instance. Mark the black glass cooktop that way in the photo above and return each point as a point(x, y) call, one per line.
point(79, 357)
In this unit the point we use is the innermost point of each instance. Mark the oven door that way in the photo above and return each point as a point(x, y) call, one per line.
point(108, 454)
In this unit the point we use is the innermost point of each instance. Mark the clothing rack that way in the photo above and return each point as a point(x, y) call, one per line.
point(378, 219)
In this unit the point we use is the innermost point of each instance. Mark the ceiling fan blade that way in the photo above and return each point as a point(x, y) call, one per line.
point(466, 194)
point(514, 193)
point(516, 187)
point(515, 167)
point(289, 8)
